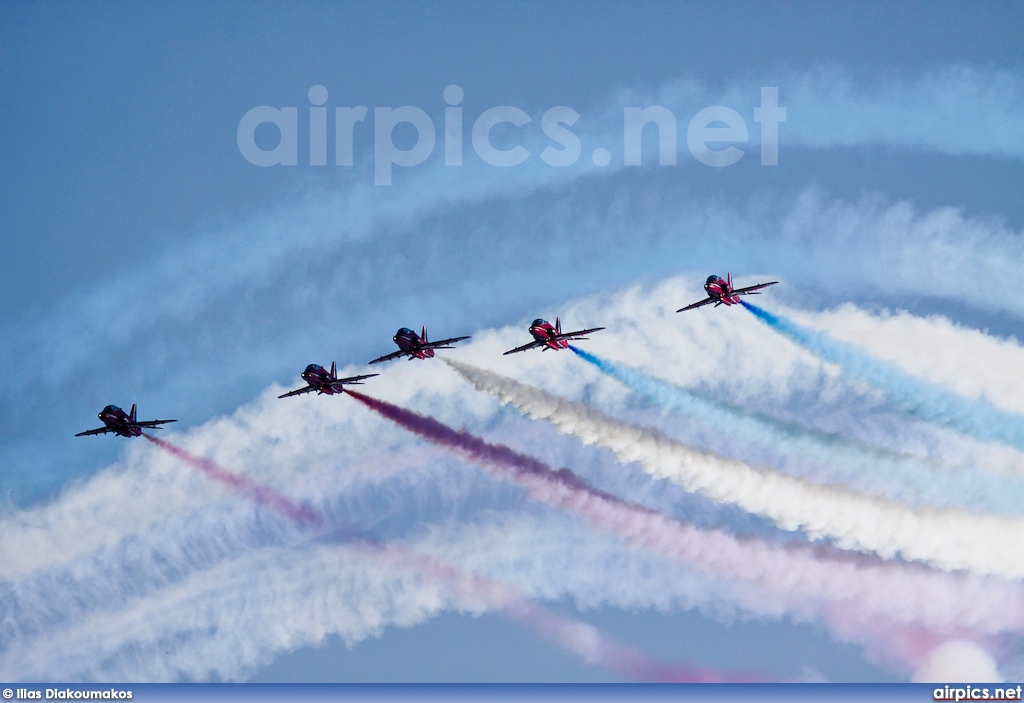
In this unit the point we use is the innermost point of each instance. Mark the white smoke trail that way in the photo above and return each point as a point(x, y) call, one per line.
point(170, 566)
point(794, 571)
point(225, 617)
point(921, 399)
point(863, 467)
point(281, 442)
point(201, 596)
point(967, 361)
point(946, 539)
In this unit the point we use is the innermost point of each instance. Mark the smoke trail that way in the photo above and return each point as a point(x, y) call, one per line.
point(184, 290)
point(946, 539)
point(243, 484)
point(224, 620)
point(581, 638)
point(901, 593)
point(861, 466)
point(973, 417)
point(957, 356)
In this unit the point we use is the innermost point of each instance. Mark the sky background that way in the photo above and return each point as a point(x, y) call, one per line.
point(145, 260)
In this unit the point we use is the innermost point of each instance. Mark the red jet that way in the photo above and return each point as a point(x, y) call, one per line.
point(548, 337)
point(721, 292)
point(416, 346)
point(116, 420)
point(323, 381)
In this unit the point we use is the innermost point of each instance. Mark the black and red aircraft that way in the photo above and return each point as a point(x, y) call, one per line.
point(323, 381)
point(547, 336)
point(116, 420)
point(721, 292)
point(416, 346)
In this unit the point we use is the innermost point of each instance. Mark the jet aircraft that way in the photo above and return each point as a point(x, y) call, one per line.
point(547, 336)
point(323, 381)
point(116, 420)
point(721, 292)
point(416, 346)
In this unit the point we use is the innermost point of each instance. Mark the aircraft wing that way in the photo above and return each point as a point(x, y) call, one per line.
point(298, 391)
point(356, 379)
point(389, 357)
point(152, 424)
point(98, 430)
point(691, 306)
point(577, 334)
point(440, 344)
point(750, 289)
point(531, 345)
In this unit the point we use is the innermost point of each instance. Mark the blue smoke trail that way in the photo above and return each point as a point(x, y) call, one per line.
point(919, 398)
point(840, 460)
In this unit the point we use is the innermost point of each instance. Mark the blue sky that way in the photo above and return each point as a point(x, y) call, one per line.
point(147, 261)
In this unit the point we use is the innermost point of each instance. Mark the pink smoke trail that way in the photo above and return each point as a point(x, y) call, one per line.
point(576, 636)
point(812, 579)
point(243, 484)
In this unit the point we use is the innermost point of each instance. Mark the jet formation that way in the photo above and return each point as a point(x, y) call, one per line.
point(417, 346)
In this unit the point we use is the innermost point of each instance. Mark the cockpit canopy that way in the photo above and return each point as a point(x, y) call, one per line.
point(538, 322)
point(313, 367)
point(110, 409)
point(405, 332)
point(711, 279)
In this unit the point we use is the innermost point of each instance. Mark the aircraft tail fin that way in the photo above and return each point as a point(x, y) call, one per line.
point(728, 280)
point(334, 369)
point(131, 415)
point(423, 335)
point(558, 326)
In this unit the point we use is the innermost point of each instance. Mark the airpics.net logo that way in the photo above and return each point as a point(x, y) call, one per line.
point(715, 125)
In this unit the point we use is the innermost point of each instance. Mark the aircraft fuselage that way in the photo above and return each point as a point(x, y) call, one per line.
point(719, 289)
point(320, 378)
point(544, 332)
point(117, 420)
point(409, 341)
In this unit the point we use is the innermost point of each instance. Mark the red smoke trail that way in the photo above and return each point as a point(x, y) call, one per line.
point(575, 636)
point(243, 484)
point(860, 581)
point(494, 455)
point(564, 489)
